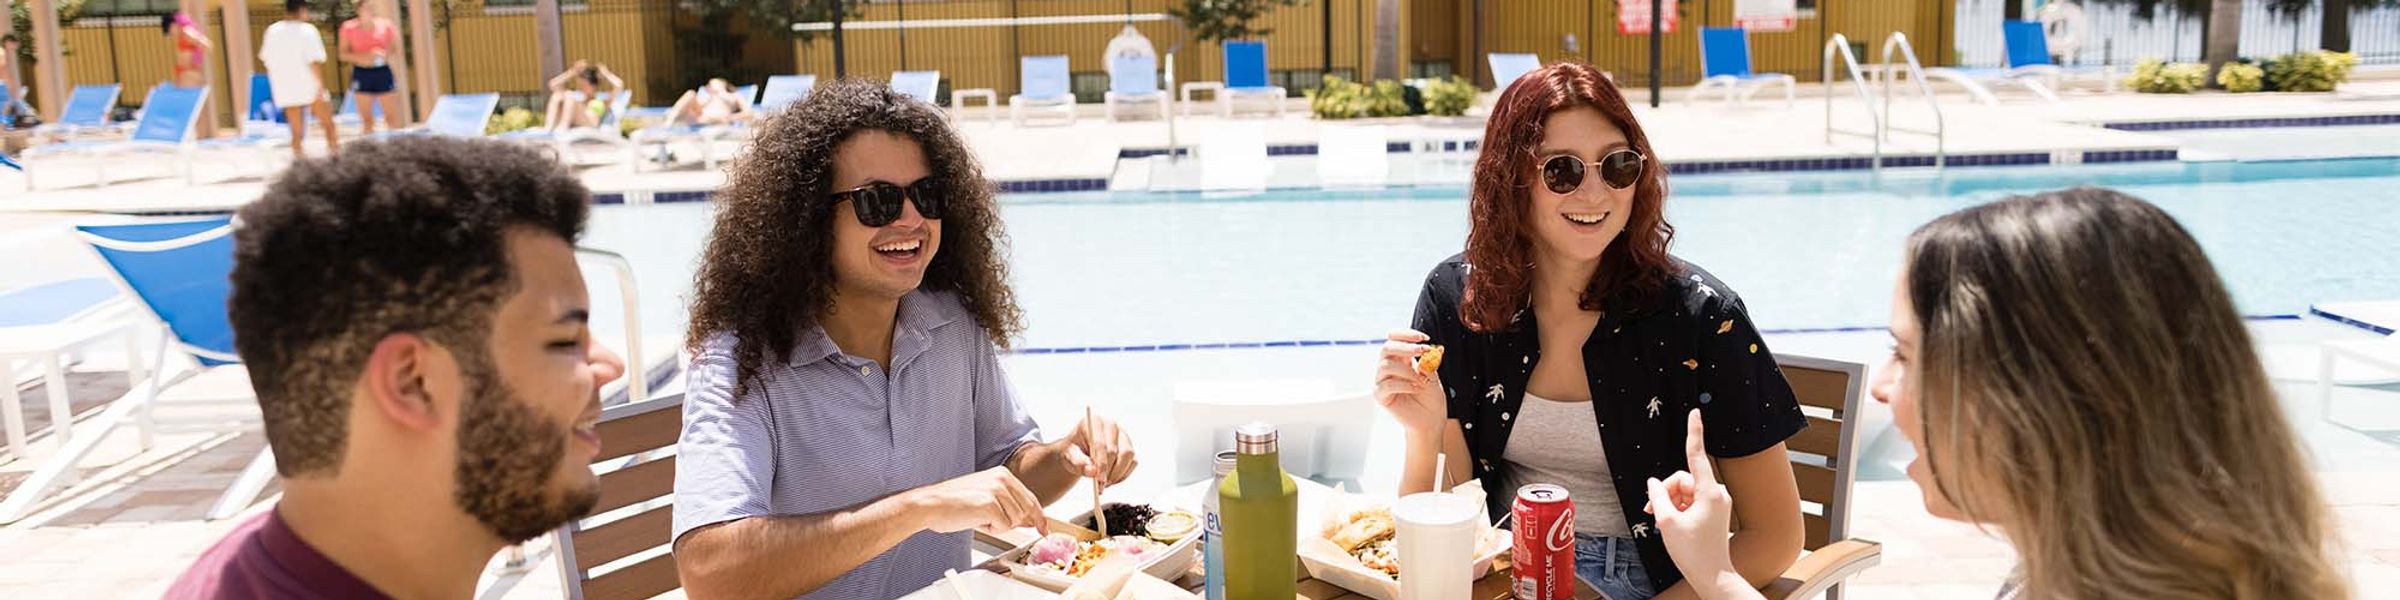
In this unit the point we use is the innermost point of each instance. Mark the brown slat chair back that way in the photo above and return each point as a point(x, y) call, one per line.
point(636, 510)
point(1822, 459)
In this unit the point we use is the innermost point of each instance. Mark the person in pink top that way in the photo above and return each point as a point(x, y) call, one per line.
point(366, 43)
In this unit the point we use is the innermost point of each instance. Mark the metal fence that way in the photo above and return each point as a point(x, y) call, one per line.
point(2114, 34)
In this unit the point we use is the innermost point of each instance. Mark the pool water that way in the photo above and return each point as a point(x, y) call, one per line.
point(1808, 251)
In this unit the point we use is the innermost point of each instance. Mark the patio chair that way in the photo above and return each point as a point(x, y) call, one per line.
point(1246, 77)
point(166, 125)
point(456, 115)
point(1042, 84)
point(636, 512)
point(1824, 459)
point(86, 113)
point(2029, 66)
point(1725, 62)
point(1507, 67)
point(1133, 81)
point(1323, 438)
point(922, 85)
point(176, 270)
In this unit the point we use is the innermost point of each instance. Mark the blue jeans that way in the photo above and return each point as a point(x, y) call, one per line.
point(1614, 566)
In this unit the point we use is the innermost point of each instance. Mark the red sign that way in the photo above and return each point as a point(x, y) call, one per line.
point(1633, 16)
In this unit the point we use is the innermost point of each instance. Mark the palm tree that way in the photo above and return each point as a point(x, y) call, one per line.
point(2222, 43)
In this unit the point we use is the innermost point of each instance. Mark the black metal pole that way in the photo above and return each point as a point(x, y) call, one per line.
point(1475, 63)
point(903, 7)
point(1657, 14)
point(841, 67)
point(1325, 38)
point(2012, 10)
point(2334, 26)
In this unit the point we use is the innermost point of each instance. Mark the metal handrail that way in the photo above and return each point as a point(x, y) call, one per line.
point(1839, 44)
point(1916, 71)
point(637, 373)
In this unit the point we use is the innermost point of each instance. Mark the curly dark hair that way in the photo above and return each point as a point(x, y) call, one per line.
point(1500, 243)
point(767, 274)
point(406, 235)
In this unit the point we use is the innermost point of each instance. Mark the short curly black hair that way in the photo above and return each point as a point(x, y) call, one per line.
point(405, 235)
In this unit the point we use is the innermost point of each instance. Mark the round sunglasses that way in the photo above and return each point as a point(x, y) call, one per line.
point(1564, 173)
point(878, 203)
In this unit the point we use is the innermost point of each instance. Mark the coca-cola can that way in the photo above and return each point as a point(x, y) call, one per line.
point(1544, 547)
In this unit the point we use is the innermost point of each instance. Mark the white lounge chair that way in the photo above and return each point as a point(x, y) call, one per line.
point(1322, 436)
point(166, 126)
point(1507, 67)
point(608, 133)
point(1043, 83)
point(1132, 76)
point(2029, 66)
point(2381, 354)
point(87, 112)
point(922, 85)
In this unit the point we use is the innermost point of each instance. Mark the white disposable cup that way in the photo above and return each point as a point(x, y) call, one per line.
point(1437, 545)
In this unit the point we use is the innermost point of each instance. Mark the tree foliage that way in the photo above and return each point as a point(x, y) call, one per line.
point(1220, 20)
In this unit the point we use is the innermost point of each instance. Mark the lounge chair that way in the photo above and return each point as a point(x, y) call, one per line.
point(2377, 354)
point(1508, 66)
point(782, 91)
point(2029, 66)
point(87, 111)
point(456, 115)
point(46, 322)
point(1133, 80)
point(177, 271)
point(1725, 62)
point(922, 85)
point(1042, 83)
point(1246, 77)
point(166, 125)
point(1323, 438)
point(608, 133)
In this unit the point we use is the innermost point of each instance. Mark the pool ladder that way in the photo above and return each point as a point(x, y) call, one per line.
point(1879, 113)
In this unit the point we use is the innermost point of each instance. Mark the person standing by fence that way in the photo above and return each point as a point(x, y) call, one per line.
point(191, 49)
point(291, 49)
point(366, 43)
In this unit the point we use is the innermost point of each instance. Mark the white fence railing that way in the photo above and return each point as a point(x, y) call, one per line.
point(2113, 34)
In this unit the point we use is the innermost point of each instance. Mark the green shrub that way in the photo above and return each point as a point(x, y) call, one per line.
point(2241, 78)
point(1339, 98)
point(1449, 97)
point(513, 119)
point(2312, 71)
point(2152, 76)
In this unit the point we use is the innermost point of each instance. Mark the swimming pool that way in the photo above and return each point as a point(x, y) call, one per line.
point(1807, 250)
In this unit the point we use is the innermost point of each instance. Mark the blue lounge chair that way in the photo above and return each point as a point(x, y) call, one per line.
point(781, 91)
point(1042, 82)
point(1133, 79)
point(177, 271)
point(87, 111)
point(922, 85)
point(1725, 62)
point(1246, 76)
point(1507, 67)
point(456, 115)
point(2029, 66)
point(562, 144)
point(166, 125)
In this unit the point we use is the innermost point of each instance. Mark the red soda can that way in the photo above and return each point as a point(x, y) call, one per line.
point(1544, 543)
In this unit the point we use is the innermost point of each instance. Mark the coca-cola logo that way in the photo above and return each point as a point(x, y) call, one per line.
point(1562, 531)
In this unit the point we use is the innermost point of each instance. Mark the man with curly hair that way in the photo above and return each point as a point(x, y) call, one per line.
point(414, 325)
point(848, 421)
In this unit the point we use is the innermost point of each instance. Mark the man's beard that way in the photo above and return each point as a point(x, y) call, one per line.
point(508, 453)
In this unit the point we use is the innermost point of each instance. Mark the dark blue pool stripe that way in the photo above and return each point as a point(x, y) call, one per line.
point(2345, 320)
point(2332, 121)
point(1379, 342)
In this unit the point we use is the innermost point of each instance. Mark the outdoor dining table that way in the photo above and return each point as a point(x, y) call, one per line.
point(1494, 586)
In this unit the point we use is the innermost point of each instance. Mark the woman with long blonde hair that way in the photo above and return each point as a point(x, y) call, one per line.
point(2073, 375)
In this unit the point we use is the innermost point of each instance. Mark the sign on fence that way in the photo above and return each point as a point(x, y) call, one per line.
point(1766, 15)
point(1633, 17)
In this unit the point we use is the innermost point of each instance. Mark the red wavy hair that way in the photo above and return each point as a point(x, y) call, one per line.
point(1500, 241)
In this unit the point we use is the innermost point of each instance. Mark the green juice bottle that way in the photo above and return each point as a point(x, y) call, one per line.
point(1261, 510)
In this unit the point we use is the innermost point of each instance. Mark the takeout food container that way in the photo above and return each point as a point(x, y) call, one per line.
point(1170, 564)
point(1324, 560)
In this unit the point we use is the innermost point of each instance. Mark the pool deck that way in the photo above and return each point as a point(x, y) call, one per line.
point(1707, 136)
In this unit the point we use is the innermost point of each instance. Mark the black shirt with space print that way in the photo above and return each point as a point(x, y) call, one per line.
point(1650, 362)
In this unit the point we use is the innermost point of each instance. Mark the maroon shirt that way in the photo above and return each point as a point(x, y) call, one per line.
point(262, 558)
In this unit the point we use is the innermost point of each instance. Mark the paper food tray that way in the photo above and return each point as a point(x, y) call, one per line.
point(1170, 565)
point(1326, 561)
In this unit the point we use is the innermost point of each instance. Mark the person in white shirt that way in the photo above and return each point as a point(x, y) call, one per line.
point(292, 49)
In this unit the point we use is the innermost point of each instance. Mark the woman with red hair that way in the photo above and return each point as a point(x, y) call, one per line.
point(1575, 346)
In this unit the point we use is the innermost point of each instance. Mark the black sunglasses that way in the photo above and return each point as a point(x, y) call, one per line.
point(1619, 169)
point(878, 203)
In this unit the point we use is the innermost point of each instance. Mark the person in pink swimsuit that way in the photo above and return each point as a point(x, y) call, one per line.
point(366, 43)
point(191, 49)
